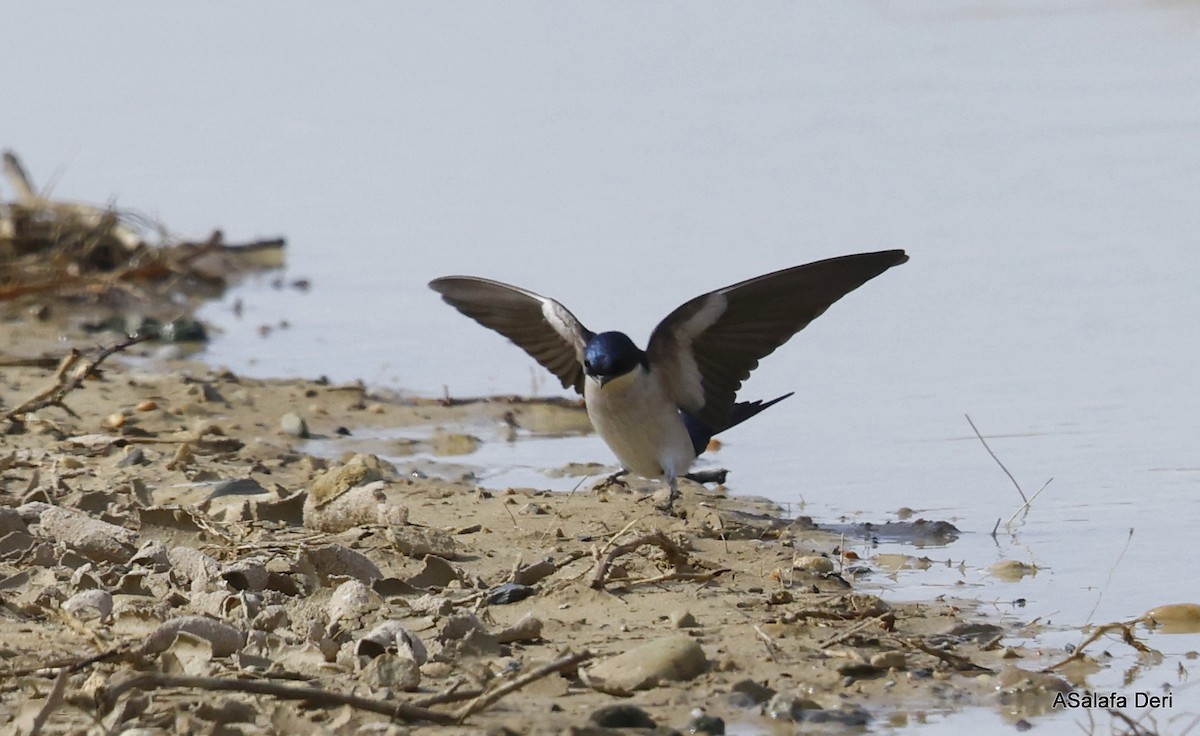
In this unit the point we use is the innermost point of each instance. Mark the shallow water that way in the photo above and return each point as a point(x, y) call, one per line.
point(1038, 160)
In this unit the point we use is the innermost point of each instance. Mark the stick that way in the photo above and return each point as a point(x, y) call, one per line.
point(1126, 629)
point(483, 701)
point(53, 700)
point(985, 446)
point(64, 384)
point(316, 696)
point(1026, 506)
point(858, 628)
point(656, 538)
point(959, 663)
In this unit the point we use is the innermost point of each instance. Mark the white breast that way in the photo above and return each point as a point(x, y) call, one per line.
point(640, 424)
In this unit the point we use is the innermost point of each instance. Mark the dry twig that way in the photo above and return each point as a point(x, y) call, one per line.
point(1126, 629)
point(68, 377)
point(675, 554)
point(562, 664)
point(316, 696)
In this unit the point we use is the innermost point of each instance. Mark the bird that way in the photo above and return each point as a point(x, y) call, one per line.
point(658, 408)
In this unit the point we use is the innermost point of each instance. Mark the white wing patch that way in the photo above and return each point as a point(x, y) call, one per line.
point(563, 323)
point(691, 384)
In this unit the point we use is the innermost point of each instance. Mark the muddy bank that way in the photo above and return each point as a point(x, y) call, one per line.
point(170, 536)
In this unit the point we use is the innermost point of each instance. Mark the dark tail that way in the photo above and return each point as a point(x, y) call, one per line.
point(742, 411)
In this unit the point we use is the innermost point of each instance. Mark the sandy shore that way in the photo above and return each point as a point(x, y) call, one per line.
point(167, 539)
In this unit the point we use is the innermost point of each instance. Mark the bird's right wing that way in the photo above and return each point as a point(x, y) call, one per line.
point(708, 346)
point(538, 325)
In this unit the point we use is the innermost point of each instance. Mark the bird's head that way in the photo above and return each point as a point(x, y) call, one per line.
point(611, 355)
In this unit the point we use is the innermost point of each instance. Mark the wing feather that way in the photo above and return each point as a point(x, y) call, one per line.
point(540, 326)
point(709, 346)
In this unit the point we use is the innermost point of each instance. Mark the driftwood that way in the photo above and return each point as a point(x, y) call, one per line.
point(77, 250)
point(69, 376)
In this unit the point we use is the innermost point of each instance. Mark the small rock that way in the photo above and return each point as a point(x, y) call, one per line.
point(683, 620)
point(813, 563)
point(132, 456)
point(436, 573)
point(858, 670)
point(335, 559)
point(351, 507)
point(152, 554)
point(1010, 571)
point(671, 658)
point(414, 541)
point(622, 716)
point(357, 471)
point(509, 593)
point(10, 521)
point(393, 637)
point(393, 671)
point(784, 707)
point(293, 424)
point(432, 605)
point(889, 660)
point(756, 692)
point(97, 540)
point(704, 723)
point(529, 628)
point(223, 638)
point(90, 604)
point(530, 574)
point(236, 487)
point(247, 574)
point(147, 405)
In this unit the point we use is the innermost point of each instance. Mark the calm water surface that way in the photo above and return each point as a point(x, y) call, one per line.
point(1040, 161)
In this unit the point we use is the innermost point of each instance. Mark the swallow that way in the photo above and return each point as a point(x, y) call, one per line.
point(657, 408)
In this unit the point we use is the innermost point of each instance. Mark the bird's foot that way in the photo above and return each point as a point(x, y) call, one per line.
point(616, 479)
point(668, 506)
point(708, 476)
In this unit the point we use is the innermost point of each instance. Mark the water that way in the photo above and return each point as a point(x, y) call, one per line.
point(1038, 160)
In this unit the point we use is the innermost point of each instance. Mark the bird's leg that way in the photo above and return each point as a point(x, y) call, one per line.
point(673, 487)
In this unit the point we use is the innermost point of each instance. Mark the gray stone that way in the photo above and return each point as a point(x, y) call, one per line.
point(673, 658)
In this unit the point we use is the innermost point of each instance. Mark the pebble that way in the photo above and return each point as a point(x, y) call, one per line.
point(529, 628)
point(132, 456)
point(393, 671)
point(889, 660)
point(90, 604)
point(97, 540)
point(813, 563)
point(351, 599)
point(392, 637)
point(509, 593)
point(683, 620)
point(415, 541)
point(335, 559)
point(676, 658)
point(10, 521)
point(755, 691)
point(293, 424)
point(702, 722)
point(223, 638)
point(622, 715)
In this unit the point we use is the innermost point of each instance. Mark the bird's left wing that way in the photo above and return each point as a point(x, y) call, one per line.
point(708, 346)
point(538, 325)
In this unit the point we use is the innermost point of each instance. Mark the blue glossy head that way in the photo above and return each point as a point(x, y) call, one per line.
point(611, 354)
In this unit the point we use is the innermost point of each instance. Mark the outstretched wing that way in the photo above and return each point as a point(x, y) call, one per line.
point(540, 326)
point(708, 346)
